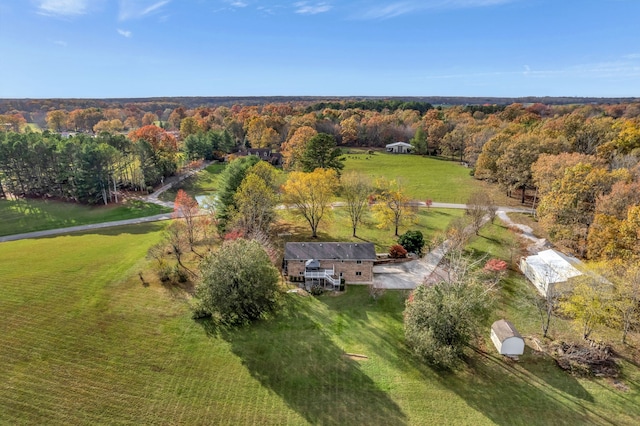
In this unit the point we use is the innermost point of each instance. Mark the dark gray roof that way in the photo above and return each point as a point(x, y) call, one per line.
point(504, 329)
point(329, 251)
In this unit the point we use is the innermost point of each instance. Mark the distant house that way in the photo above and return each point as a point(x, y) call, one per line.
point(548, 268)
point(399, 148)
point(506, 338)
point(265, 154)
point(326, 264)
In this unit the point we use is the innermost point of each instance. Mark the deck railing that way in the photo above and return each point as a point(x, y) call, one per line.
point(325, 274)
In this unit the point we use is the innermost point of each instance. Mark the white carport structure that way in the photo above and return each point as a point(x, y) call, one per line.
point(548, 268)
point(399, 148)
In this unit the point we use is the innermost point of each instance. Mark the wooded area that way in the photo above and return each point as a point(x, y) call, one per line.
point(578, 163)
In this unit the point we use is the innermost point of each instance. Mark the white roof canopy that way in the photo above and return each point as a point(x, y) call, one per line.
point(554, 266)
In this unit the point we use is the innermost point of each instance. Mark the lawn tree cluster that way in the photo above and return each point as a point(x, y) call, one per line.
point(239, 283)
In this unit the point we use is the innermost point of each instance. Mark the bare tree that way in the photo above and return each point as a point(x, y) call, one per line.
point(356, 190)
point(480, 207)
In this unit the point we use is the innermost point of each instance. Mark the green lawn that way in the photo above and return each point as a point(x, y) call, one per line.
point(201, 184)
point(423, 177)
point(18, 216)
point(337, 227)
point(86, 341)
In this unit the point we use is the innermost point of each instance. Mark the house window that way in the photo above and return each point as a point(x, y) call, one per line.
point(301, 273)
point(358, 274)
point(358, 262)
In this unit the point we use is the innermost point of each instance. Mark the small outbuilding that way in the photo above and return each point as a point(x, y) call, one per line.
point(399, 148)
point(506, 338)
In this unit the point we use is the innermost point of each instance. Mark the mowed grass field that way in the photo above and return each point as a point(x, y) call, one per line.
point(422, 177)
point(85, 340)
point(336, 226)
point(19, 216)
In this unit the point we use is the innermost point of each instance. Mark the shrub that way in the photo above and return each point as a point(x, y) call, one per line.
point(396, 251)
point(412, 241)
point(316, 290)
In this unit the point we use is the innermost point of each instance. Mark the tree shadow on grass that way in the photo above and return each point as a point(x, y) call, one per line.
point(509, 394)
point(295, 358)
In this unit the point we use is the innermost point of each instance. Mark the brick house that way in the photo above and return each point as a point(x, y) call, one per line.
point(326, 263)
point(265, 154)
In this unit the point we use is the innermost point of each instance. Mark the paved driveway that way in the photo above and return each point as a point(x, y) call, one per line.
point(408, 275)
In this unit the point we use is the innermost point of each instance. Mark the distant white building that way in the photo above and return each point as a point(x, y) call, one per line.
point(399, 148)
point(548, 268)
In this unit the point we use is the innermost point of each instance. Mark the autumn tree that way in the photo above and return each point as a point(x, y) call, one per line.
point(255, 203)
point(157, 150)
point(189, 126)
point(309, 194)
point(567, 210)
point(149, 118)
point(259, 134)
point(356, 190)
point(321, 152)
point(57, 120)
point(294, 148)
point(109, 126)
point(393, 207)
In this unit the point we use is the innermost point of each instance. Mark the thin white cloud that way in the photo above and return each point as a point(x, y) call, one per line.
point(124, 33)
point(135, 9)
point(600, 70)
point(61, 43)
point(308, 8)
point(238, 3)
point(632, 56)
point(387, 10)
point(62, 7)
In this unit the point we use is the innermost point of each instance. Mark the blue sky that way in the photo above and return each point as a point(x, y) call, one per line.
point(139, 48)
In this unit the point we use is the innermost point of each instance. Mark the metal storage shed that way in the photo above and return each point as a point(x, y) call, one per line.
point(506, 338)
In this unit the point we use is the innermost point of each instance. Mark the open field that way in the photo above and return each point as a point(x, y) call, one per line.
point(86, 341)
point(422, 177)
point(18, 216)
point(337, 227)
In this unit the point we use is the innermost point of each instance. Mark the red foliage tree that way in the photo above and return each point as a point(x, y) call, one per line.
point(396, 251)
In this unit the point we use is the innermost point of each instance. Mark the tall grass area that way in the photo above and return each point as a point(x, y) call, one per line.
point(422, 177)
point(18, 216)
point(337, 227)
